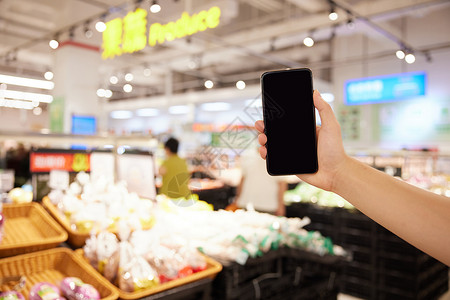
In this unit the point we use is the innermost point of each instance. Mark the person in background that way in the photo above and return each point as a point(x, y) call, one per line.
point(420, 217)
point(257, 188)
point(19, 160)
point(174, 172)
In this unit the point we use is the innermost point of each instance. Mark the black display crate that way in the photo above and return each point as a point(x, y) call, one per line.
point(383, 266)
point(281, 274)
point(218, 197)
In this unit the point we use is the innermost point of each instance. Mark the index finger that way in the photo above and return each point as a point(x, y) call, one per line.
point(259, 125)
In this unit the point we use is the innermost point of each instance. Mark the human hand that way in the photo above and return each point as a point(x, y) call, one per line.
point(330, 150)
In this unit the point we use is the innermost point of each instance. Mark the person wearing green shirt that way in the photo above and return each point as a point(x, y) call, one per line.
point(174, 172)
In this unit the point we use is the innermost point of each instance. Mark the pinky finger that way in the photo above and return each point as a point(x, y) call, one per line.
point(263, 152)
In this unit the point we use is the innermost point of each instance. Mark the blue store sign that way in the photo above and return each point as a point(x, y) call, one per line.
point(385, 88)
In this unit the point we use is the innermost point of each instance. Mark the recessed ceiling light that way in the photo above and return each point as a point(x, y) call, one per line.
point(179, 109)
point(240, 85)
point(27, 82)
point(215, 106)
point(121, 114)
point(147, 112)
point(127, 88)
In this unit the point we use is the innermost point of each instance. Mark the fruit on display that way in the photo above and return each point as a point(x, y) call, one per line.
point(305, 192)
point(234, 236)
point(11, 295)
point(73, 288)
point(93, 205)
point(20, 195)
point(45, 291)
point(141, 261)
point(174, 204)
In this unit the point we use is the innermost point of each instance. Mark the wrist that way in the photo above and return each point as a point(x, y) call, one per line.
point(343, 171)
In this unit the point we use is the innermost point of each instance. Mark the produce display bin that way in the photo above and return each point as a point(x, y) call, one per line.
point(212, 269)
point(75, 239)
point(383, 266)
point(53, 266)
point(235, 278)
point(281, 274)
point(28, 227)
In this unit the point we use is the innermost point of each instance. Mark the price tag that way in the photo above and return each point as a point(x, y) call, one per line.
point(59, 180)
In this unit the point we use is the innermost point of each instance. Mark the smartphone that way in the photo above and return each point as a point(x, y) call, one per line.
point(289, 121)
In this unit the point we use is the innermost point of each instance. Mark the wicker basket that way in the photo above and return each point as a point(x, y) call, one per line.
point(76, 239)
point(28, 228)
point(212, 269)
point(52, 266)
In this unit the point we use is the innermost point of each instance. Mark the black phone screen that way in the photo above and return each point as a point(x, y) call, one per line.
point(289, 120)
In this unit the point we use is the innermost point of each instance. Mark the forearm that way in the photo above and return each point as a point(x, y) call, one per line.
point(419, 217)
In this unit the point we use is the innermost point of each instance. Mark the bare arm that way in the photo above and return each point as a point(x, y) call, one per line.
point(420, 217)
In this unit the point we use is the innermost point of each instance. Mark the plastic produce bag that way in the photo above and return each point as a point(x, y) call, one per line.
point(102, 251)
point(135, 272)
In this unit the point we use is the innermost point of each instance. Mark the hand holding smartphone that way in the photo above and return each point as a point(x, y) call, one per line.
point(289, 122)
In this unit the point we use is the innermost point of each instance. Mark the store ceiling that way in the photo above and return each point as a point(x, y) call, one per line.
point(253, 36)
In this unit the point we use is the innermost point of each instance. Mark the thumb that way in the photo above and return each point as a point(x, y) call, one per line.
point(325, 111)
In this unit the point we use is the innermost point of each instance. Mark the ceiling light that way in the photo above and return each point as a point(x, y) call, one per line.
point(240, 85)
point(155, 7)
point(16, 104)
point(101, 93)
point(48, 75)
point(333, 16)
point(100, 26)
point(54, 44)
point(129, 77)
point(108, 94)
point(121, 114)
point(178, 109)
point(400, 54)
point(37, 111)
point(410, 58)
point(27, 82)
point(127, 88)
point(147, 112)
point(26, 96)
point(147, 72)
point(308, 41)
point(209, 84)
point(113, 79)
point(215, 106)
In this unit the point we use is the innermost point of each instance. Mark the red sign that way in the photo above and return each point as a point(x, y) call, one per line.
point(72, 162)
